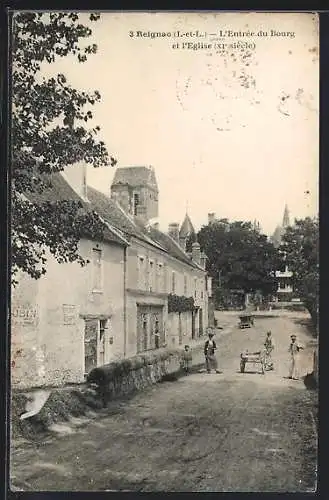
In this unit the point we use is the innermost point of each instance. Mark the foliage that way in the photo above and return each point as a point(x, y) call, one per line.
point(189, 242)
point(179, 303)
point(49, 132)
point(239, 257)
point(299, 251)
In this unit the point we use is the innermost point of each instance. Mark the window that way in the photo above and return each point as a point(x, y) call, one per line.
point(151, 274)
point(173, 282)
point(185, 285)
point(102, 328)
point(160, 277)
point(141, 273)
point(136, 202)
point(195, 287)
point(97, 269)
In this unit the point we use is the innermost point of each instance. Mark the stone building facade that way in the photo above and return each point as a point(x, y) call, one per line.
point(71, 319)
point(75, 318)
point(157, 265)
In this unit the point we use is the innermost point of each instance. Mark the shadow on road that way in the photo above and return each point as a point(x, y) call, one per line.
point(308, 326)
point(249, 372)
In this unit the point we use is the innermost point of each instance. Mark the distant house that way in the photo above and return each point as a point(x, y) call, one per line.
point(75, 318)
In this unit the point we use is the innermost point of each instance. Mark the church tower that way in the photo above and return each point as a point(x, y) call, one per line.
point(136, 191)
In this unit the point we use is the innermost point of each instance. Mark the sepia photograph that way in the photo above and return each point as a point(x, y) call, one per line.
point(164, 316)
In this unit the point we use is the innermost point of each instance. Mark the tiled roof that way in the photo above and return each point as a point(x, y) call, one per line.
point(111, 211)
point(135, 176)
point(171, 247)
point(61, 191)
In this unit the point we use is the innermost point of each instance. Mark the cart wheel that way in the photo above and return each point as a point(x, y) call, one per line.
point(242, 366)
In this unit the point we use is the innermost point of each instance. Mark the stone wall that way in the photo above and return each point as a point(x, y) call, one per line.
point(135, 374)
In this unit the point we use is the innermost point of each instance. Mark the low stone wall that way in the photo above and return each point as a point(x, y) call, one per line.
point(112, 381)
point(127, 376)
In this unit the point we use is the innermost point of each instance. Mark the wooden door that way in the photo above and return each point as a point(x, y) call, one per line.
point(90, 342)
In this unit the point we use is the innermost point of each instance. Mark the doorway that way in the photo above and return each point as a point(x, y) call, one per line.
point(149, 327)
point(95, 343)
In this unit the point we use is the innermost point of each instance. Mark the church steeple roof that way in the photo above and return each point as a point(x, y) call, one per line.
point(280, 230)
point(286, 218)
point(187, 228)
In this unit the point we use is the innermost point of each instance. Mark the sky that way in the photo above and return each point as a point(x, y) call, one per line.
point(228, 129)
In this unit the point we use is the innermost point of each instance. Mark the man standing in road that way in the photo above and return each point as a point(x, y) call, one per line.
point(294, 350)
point(209, 352)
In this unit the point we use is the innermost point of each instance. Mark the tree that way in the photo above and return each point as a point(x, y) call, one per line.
point(49, 133)
point(243, 256)
point(299, 251)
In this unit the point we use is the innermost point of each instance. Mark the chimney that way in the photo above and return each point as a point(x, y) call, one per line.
point(76, 176)
point(211, 217)
point(203, 260)
point(173, 231)
point(196, 254)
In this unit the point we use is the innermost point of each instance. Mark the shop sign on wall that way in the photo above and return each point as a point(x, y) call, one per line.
point(70, 314)
point(25, 314)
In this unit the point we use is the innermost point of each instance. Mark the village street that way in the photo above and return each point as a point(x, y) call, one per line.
point(218, 432)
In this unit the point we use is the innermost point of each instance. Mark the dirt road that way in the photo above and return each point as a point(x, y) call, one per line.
point(225, 432)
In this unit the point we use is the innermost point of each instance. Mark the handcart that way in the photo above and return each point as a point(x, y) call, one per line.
point(246, 321)
point(254, 358)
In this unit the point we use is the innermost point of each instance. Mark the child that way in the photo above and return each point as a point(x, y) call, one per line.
point(187, 359)
point(269, 346)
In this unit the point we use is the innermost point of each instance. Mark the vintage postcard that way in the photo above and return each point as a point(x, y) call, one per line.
point(164, 293)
